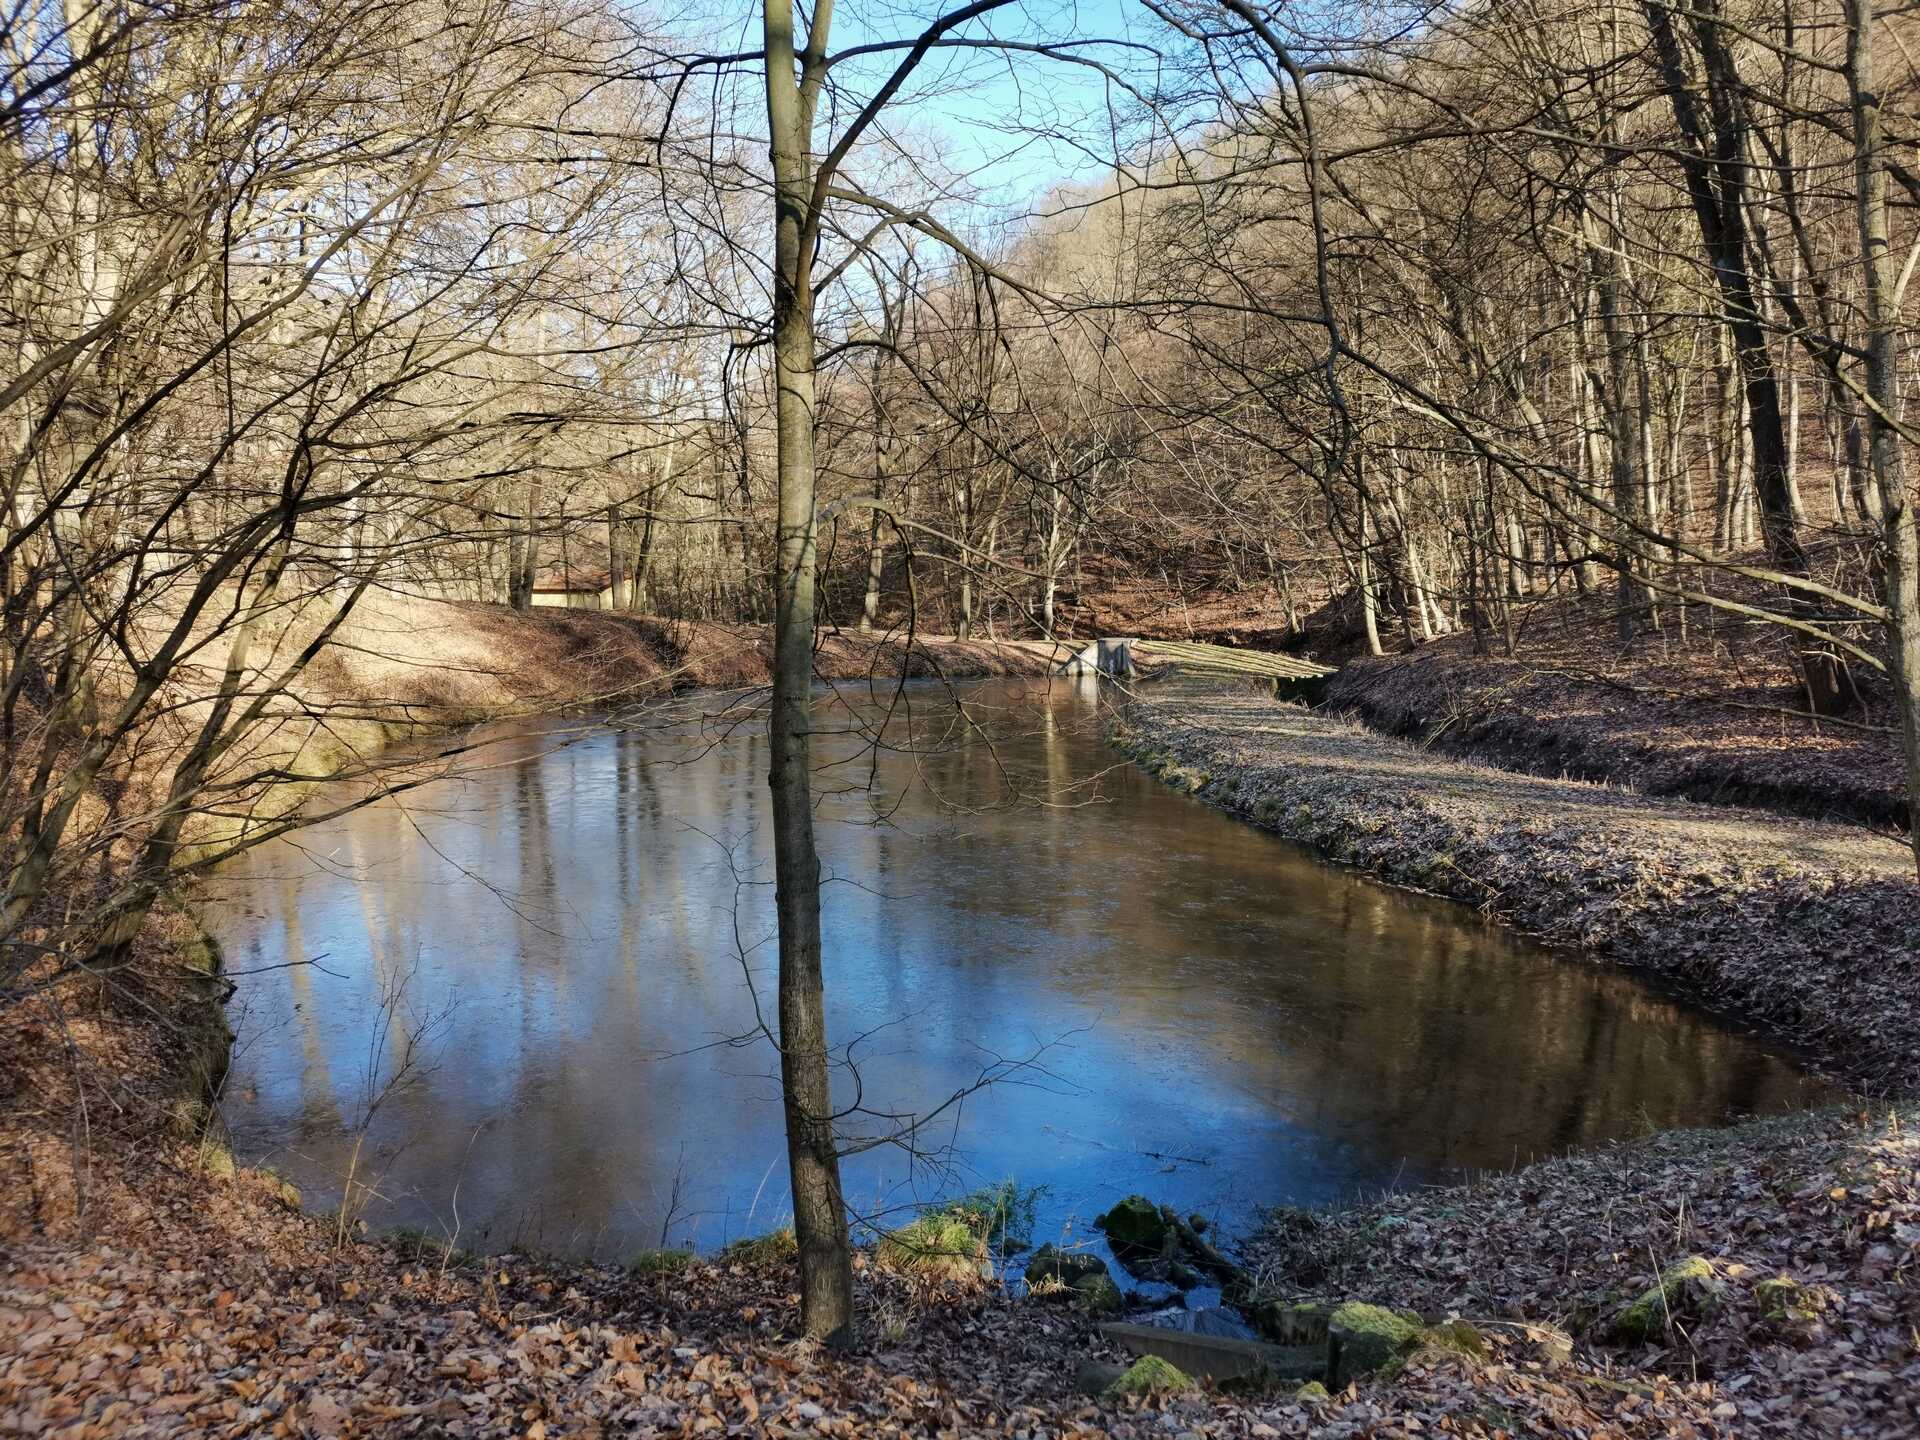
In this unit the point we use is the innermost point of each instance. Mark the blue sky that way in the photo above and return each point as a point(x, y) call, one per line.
point(978, 112)
point(989, 108)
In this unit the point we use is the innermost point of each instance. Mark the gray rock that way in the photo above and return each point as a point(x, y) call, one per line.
point(1094, 1376)
point(1069, 1267)
point(1099, 1294)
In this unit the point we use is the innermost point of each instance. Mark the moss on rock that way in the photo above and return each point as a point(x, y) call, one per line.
point(1364, 1338)
point(1455, 1337)
point(1098, 1294)
point(1150, 1375)
point(1688, 1289)
point(1135, 1225)
point(1069, 1267)
point(1791, 1308)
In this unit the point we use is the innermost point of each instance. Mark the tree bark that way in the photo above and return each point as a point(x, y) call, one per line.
point(1714, 159)
point(1900, 531)
point(819, 1211)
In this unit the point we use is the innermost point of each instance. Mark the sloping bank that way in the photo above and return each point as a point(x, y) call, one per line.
point(1808, 930)
point(401, 668)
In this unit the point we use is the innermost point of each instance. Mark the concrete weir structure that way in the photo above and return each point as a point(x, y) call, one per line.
point(1126, 656)
point(1103, 657)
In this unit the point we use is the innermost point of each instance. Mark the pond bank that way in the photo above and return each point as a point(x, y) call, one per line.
point(204, 1304)
point(1787, 1251)
point(192, 1298)
point(1810, 931)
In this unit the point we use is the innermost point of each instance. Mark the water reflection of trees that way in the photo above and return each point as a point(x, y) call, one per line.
point(1339, 1016)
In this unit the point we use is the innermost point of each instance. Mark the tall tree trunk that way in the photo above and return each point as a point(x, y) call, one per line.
point(1369, 614)
point(617, 587)
point(637, 596)
point(876, 549)
point(1899, 528)
point(819, 1210)
point(1714, 159)
point(1626, 459)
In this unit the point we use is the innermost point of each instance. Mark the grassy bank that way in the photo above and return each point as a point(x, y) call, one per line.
point(401, 668)
point(1808, 930)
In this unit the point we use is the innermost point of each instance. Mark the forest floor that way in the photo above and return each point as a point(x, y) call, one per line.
point(1708, 706)
point(1802, 1236)
point(1712, 722)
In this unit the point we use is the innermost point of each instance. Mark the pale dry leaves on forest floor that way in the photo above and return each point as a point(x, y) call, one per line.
point(1829, 1203)
point(1694, 723)
point(216, 1310)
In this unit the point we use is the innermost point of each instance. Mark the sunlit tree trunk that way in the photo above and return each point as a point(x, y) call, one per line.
point(819, 1213)
point(1714, 159)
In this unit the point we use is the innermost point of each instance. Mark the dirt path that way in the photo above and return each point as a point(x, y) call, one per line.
point(1811, 930)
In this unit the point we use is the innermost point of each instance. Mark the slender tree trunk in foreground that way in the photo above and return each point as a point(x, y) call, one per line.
point(819, 1213)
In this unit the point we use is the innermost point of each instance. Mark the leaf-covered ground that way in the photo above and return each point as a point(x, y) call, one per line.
point(1663, 724)
point(1709, 706)
point(214, 1309)
point(1828, 1204)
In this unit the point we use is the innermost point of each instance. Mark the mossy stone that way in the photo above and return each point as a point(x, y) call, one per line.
point(1688, 1289)
point(1150, 1375)
point(1777, 1295)
point(1364, 1338)
point(1135, 1225)
point(1069, 1267)
point(1098, 1294)
point(1789, 1306)
point(1455, 1337)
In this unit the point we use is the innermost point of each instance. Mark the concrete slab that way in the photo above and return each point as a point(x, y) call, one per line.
point(1219, 1357)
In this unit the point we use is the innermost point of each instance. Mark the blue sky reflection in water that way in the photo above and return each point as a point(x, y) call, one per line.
point(1218, 1020)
